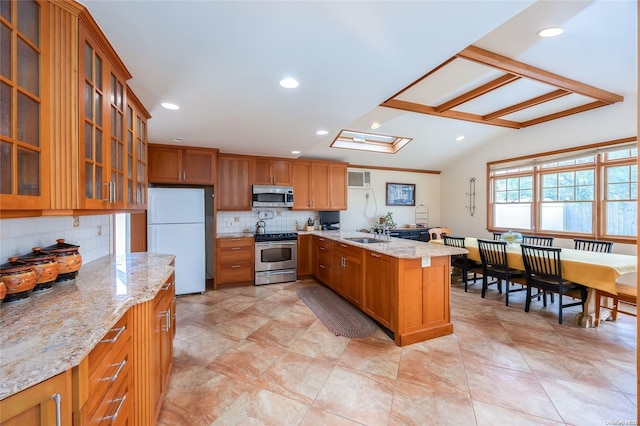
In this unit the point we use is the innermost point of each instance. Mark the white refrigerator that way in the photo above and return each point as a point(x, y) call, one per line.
point(175, 225)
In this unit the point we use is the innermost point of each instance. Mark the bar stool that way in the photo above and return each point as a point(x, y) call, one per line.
point(627, 289)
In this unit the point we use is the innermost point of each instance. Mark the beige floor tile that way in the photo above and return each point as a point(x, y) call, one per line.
point(262, 407)
point(372, 356)
point(318, 342)
point(491, 415)
point(317, 417)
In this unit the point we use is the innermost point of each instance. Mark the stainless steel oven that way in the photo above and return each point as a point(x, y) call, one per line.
point(276, 258)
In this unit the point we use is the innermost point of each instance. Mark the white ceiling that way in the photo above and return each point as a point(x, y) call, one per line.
point(221, 61)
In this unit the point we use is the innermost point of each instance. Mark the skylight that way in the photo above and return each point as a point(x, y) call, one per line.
point(361, 141)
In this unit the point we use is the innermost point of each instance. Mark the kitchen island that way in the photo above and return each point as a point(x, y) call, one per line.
point(404, 285)
point(66, 332)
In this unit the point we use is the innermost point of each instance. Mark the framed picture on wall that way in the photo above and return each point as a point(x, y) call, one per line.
point(401, 194)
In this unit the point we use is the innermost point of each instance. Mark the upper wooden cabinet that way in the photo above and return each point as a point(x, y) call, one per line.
point(23, 126)
point(65, 143)
point(319, 185)
point(271, 171)
point(137, 153)
point(233, 191)
point(173, 164)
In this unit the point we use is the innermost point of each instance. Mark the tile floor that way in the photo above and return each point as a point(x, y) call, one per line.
point(258, 355)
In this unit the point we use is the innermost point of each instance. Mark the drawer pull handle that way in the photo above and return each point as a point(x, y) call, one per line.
point(115, 376)
point(236, 248)
point(57, 398)
point(235, 266)
point(167, 320)
point(115, 415)
point(375, 255)
point(167, 286)
point(119, 331)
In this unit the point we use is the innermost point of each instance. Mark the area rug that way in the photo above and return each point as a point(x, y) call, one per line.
point(338, 315)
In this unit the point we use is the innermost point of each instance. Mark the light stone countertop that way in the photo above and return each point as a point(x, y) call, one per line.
point(394, 247)
point(49, 333)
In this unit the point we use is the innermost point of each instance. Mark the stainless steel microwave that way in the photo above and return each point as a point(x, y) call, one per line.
point(272, 196)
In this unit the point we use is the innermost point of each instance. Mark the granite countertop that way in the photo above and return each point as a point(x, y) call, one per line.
point(395, 247)
point(52, 332)
point(234, 235)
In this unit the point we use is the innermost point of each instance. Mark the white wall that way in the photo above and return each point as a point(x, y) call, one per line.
point(364, 213)
point(19, 236)
point(603, 124)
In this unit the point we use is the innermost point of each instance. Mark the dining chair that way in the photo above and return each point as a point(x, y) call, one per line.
point(537, 241)
point(626, 293)
point(438, 233)
point(497, 236)
point(461, 261)
point(593, 245)
point(544, 272)
point(495, 264)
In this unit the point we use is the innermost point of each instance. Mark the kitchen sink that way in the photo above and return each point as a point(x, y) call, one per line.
point(362, 240)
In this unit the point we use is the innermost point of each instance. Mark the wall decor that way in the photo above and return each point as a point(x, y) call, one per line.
point(401, 194)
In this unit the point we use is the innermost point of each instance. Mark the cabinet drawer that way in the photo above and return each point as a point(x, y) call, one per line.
point(235, 274)
point(106, 385)
point(111, 343)
point(346, 249)
point(235, 242)
point(235, 255)
point(323, 242)
point(115, 407)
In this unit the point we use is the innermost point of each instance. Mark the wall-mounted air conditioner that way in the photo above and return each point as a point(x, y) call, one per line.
point(359, 179)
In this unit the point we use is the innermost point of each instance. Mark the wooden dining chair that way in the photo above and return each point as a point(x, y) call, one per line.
point(497, 236)
point(461, 261)
point(544, 272)
point(438, 233)
point(593, 245)
point(495, 264)
point(627, 293)
point(537, 241)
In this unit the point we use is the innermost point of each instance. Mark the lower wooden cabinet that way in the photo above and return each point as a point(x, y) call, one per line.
point(40, 404)
point(379, 300)
point(305, 256)
point(323, 256)
point(162, 343)
point(348, 271)
point(234, 261)
point(104, 377)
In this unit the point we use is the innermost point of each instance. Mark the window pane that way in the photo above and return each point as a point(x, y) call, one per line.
point(526, 182)
point(5, 110)
point(6, 168)
point(622, 218)
point(28, 172)
point(88, 101)
point(584, 177)
point(88, 63)
point(28, 68)
point(513, 183)
point(585, 193)
point(618, 191)
point(28, 120)
point(549, 180)
point(567, 217)
point(88, 180)
point(29, 20)
point(98, 147)
point(5, 50)
point(88, 141)
point(5, 10)
point(618, 174)
point(500, 184)
point(566, 194)
point(566, 179)
point(512, 216)
point(550, 194)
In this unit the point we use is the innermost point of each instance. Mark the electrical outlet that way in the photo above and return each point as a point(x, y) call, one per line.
point(99, 231)
point(76, 221)
point(236, 219)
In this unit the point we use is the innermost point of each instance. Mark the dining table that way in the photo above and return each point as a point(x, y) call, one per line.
point(594, 270)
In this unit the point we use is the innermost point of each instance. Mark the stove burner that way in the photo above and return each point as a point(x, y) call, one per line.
point(280, 236)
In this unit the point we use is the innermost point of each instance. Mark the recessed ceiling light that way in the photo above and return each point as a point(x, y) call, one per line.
point(550, 32)
point(289, 83)
point(375, 125)
point(296, 152)
point(459, 138)
point(169, 105)
point(322, 132)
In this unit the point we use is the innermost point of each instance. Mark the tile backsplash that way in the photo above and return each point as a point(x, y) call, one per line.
point(91, 233)
point(276, 220)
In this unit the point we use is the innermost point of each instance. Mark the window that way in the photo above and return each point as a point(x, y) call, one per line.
point(590, 192)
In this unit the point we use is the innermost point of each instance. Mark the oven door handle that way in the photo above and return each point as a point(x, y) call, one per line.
point(276, 243)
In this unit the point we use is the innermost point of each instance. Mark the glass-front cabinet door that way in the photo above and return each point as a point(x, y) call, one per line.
point(21, 139)
point(137, 183)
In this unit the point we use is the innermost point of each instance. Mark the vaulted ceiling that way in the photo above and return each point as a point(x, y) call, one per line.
point(413, 67)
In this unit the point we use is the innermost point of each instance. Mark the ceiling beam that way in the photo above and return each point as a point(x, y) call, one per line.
point(476, 54)
point(576, 110)
point(478, 91)
point(425, 109)
point(527, 104)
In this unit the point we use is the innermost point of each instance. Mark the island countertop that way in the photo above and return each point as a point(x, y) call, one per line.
point(394, 247)
point(52, 332)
